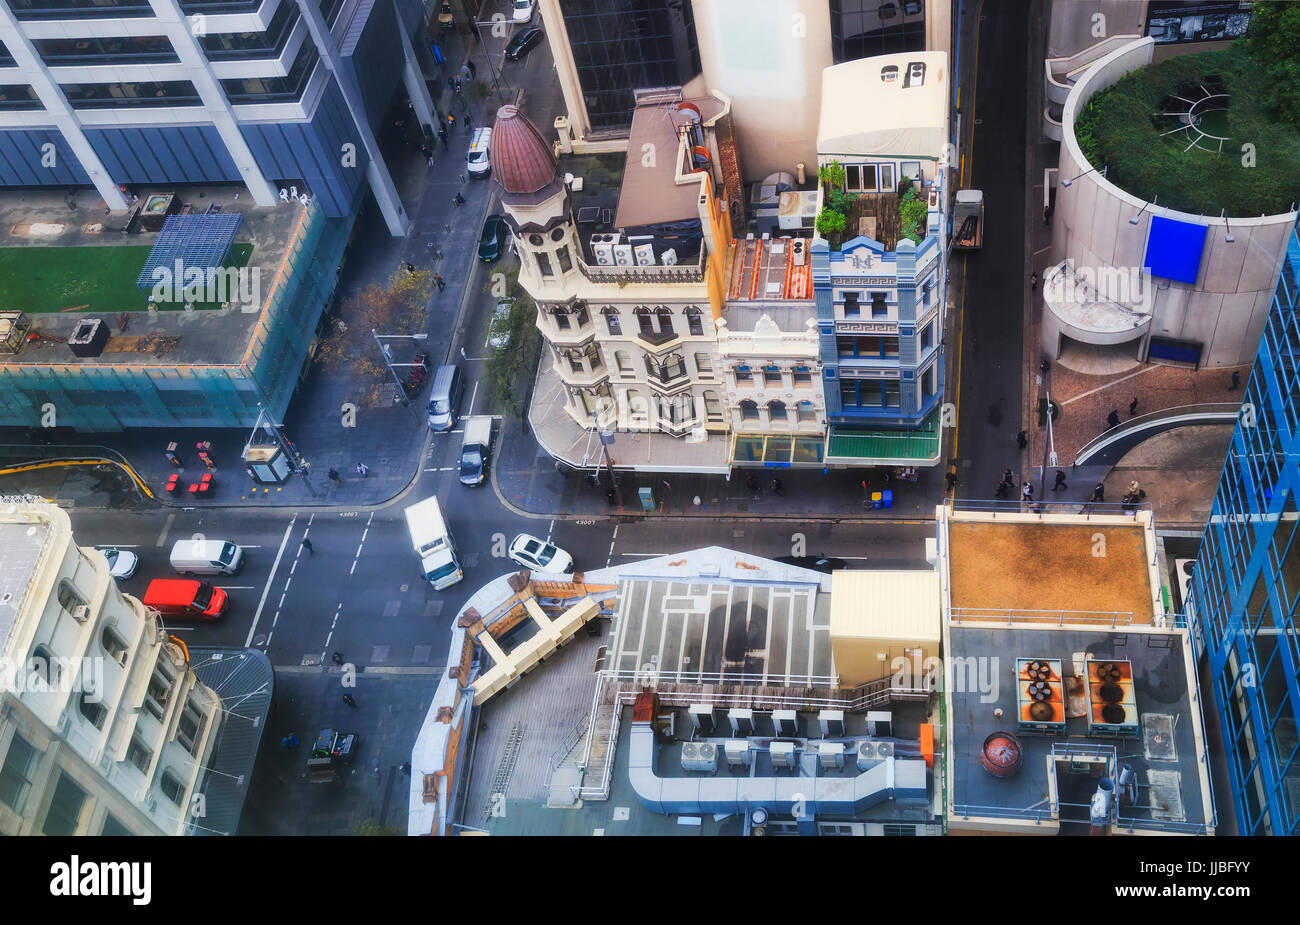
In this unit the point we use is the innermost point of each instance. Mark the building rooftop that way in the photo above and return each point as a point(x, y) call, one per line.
point(769, 270)
point(1082, 569)
point(203, 337)
point(522, 161)
point(885, 106)
point(651, 195)
point(22, 543)
point(1167, 752)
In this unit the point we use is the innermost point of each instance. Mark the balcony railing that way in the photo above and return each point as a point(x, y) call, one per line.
point(679, 273)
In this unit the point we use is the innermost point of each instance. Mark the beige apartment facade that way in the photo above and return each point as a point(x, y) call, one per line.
point(104, 728)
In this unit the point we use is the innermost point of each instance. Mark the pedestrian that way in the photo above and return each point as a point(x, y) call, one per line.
point(1112, 419)
point(291, 741)
point(362, 469)
point(439, 281)
point(459, 200)
point(429, 158)
point(951, 479)
point(1098, 493)
point(451, 120)
point(405, 767)
point(1022, 439)
point(306, 544)
point(609, 498)
point(469, 118)
point(349, 700)
point(1236, 381)
point(442, 133)
point(1060, 481)
point(1134, 487)
point(1008, 477)
point(451, 82)
point(466, 73)
point(284, 743)
point(1033, 282)
point(1027, 493)
point(1133, 407)
point(473, 71)
point(338, 659)
point(424, 149)
point(1001, 490)
point(778, 488)
point(333, 476)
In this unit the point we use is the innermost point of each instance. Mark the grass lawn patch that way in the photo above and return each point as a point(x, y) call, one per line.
point(41, 280)
point(1126, 129)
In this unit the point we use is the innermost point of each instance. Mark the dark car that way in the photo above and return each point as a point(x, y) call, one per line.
point(492, 242)
point(523, 43)
point(824, 564)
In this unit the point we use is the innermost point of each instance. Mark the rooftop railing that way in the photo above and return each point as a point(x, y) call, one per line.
point(1043, 508)
point(1059, 617)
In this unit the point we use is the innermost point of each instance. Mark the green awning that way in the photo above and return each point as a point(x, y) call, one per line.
point(884, 446)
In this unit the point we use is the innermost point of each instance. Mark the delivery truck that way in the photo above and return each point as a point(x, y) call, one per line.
point(432, 542)
point(968, 219)
point(475, 449)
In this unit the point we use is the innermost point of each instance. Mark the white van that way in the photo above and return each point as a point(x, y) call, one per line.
point(207, 557)
point(479, 165)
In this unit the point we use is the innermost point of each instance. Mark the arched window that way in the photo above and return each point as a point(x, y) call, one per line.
point(644, 319)
point(41, 665)
point(665, 319)
point(776, 410)
point(113, 645)
point(172, 787)
point(695, 321)
point(749, 410)
point(611, 320)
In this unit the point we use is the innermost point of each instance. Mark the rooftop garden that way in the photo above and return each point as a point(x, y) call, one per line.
point(889, 216)
point(1199, 133)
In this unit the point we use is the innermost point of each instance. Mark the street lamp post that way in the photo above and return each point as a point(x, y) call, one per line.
point(386, 353)
point(478, 27)
point(606, 441)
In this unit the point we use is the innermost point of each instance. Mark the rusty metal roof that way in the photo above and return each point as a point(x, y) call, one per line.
point(522, 161)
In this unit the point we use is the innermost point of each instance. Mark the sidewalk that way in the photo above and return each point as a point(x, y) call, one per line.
point(528, 480)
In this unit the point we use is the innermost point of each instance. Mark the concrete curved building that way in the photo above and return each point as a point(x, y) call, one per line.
point(1152, 282)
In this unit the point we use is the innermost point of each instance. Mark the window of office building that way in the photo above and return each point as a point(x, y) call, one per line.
point(64, 813)
point(621, 46)
point(113, 645)
point(879, 305)
point(771, 375)
point(776, 410)
point(712, 406)
point(225, 46)
point(927, 337)
point(704, 365)
point(851, 307)
point(19, 97)
point(869, 346)
point(190, 728)
point(749, 410)
point(148, 93)
point(93, 710)
point(128, 49)
point(864, 28)
point(869, 393)
point(172, 786)
point(6, 59)
point(807, 412)
point(275, 89)
point(139, 754)
point(112, 828)
point(28, 10)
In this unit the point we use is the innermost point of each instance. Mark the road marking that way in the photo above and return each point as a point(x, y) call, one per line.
point(443, 469)
point(473, 395)
point(266, 590)
point(167, 527)
point(550, 531)
point(650, 555)
point(1102, 388)
point(386, 671)
point(236, 587)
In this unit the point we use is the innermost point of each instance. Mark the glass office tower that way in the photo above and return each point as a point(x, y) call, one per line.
point(1246, 586)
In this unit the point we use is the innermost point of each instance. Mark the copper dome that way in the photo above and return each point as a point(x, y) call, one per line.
point(522, 161)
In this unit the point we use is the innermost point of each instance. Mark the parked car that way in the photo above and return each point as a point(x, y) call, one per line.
point(445, 17)
point(523, 10)
point(122, 563)
point(523, 42)
point(492, 240)
point(534, 553)
point(498, 326)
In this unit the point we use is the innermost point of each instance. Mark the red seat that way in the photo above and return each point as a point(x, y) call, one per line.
point(194, 488)
point(207, 477)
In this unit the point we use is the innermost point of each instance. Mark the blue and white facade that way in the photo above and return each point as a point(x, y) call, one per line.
point(1246, 586)
point(263, 93)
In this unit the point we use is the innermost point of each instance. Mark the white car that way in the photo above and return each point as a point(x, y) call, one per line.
point(537, 554)
point(524, 10)
point(121, 562)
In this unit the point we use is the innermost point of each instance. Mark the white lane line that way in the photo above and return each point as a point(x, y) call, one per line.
point(644, 555)
point(236, 587)
point(269, 578)
point(120, 546)
point(550, 530)
point(473, 395)
point(167, 527)
point(443, 469)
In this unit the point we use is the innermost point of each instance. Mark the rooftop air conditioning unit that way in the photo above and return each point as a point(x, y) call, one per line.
point(867, 755)
point(702, 718)
point(831, 755)
point(645, 255)
point(786, 722)
point(880, 723)
point(81, 613)
point(884, 750)
point(782, 755)
point(831, 723)
point(668, 258)
point(737, 752)
point(699, 756)
point(797, 252)
point(623, 255)
point(742, 722)
point(603, 252)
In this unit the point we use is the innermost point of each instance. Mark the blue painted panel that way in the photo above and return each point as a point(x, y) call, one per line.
point(1174, 249)
point(20, 159)
point(171, 154)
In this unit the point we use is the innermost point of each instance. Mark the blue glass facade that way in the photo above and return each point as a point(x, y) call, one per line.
point(1246, 587)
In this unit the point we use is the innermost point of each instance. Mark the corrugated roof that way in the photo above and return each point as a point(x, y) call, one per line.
point(879, 604)
point(863, 443)
point(245, 682)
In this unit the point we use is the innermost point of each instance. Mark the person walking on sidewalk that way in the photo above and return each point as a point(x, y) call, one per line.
point(1112, 419)
point(442, 133)
point(338, 659)
point(1060, 481)
point(349, 700)
point(469, 66)
point(459, 200)
point(1033, 282)
point(439, 281)
point(951, 479)
point(778, 488)
point(1098, 494)
point(333, 476)
point(1008, 478)
point(1027, 492)
point(1133, 407)
point(1236, 381)
point(362, 469)
point(306, 544)
point(1022, 439)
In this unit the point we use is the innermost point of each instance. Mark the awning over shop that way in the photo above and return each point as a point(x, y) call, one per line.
point(868, 446)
